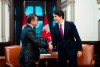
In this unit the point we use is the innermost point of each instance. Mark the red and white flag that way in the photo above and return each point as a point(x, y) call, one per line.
point(46, 30)
point(23, 25)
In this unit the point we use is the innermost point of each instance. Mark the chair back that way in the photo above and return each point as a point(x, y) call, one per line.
point(11, 55)
point(87, 57)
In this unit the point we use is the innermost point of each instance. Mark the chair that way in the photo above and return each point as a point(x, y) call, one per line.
point(11, 55)
point(87, 59)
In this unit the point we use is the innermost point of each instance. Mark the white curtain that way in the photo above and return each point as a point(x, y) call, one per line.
point(69, 13)
point(7, 22)
point(4, 22)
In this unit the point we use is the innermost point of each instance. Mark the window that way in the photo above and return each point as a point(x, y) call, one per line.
point(36, 7)
point(29, 10)
point(38, 11)
point(39, 28)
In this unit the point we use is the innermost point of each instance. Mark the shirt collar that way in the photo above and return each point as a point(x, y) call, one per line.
point(62, 23)
point(31, 25)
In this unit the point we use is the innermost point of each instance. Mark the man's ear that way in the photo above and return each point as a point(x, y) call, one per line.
point(60, 16)
point(31, 21)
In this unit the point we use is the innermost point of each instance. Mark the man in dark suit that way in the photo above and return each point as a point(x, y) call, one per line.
point(66, 37)
point(30, 44)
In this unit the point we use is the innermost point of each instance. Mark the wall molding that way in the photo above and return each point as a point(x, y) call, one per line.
point(91, 42)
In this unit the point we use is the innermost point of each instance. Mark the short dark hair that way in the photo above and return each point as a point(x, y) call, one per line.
point(59, 13)
point(31, 17)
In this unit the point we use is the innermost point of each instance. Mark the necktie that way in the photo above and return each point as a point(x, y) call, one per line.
point(61, 30)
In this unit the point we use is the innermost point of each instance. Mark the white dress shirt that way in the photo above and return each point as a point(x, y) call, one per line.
point(62, 26)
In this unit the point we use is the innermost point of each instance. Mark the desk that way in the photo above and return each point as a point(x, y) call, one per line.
point(2, 61)
point(48, 56)
point(48, 59)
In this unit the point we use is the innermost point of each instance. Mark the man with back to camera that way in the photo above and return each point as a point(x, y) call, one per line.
point(66, 37)
point(30, 44)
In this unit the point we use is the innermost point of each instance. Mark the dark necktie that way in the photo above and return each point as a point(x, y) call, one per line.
point(61, 30)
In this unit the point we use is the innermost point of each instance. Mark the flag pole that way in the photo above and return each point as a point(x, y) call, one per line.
point(46, 31)
point(24, 6)
point(45, 6)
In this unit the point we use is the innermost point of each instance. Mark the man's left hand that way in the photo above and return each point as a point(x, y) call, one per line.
point(79, 53)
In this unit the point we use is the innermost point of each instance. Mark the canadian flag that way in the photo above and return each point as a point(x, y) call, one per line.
point(46, 30)
point(23, 25)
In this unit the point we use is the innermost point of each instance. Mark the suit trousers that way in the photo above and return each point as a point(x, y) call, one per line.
point(28, 64)
point(63, 57)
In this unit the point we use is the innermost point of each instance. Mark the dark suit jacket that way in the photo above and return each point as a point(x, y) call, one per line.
point(71, 41)
point(30, 45)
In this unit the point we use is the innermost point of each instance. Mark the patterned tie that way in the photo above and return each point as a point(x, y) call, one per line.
point(61, 30)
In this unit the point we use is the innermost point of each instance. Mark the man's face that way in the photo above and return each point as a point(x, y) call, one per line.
point(35, 22)
point(57, 18)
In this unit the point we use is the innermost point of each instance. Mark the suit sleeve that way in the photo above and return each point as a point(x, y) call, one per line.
point(54, 37)
point(77, 37)
point(31, 35)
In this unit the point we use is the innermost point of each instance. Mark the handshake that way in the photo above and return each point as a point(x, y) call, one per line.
point(44, 43)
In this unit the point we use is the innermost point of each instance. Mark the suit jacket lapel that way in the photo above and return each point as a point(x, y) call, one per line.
point(64, 28)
